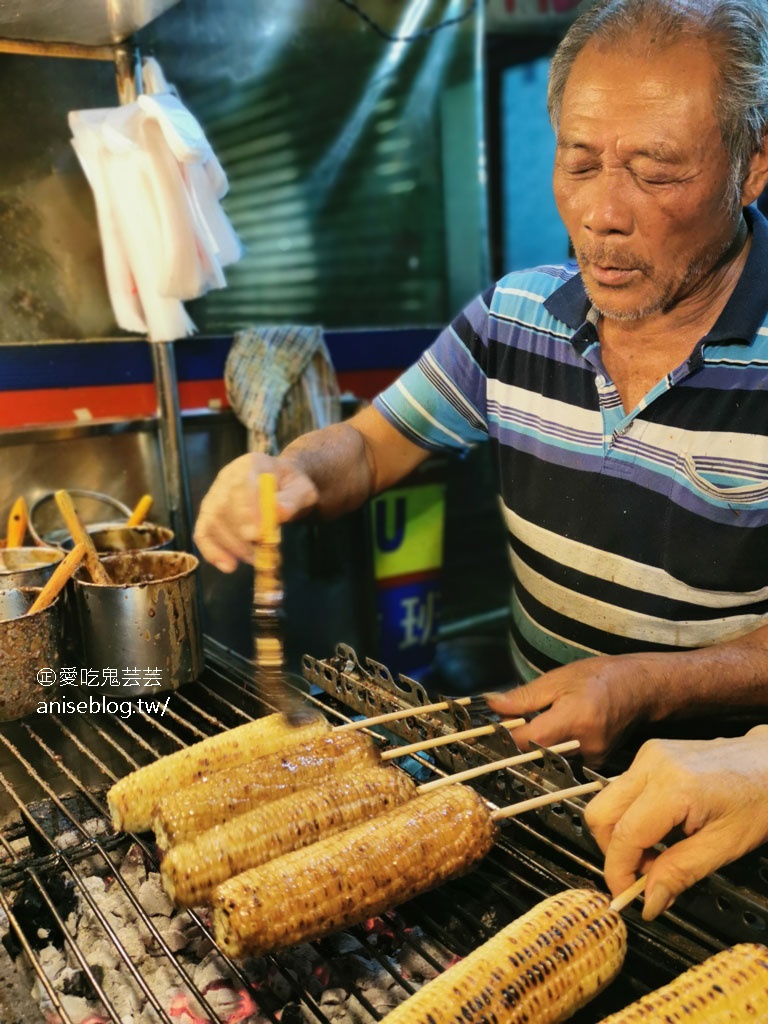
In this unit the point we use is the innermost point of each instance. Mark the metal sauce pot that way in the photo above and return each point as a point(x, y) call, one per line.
point(27, 567)
point(145, 626)
point(110, 538)
point(29, 653)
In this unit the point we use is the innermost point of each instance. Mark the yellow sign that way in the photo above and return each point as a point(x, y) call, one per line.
point(407, 527)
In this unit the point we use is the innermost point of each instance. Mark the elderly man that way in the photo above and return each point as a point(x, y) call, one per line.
point(626, 401)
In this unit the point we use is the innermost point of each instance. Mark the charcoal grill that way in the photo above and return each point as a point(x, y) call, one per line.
point(58, 852)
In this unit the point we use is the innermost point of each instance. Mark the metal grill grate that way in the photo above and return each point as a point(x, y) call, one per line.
point(55, 838)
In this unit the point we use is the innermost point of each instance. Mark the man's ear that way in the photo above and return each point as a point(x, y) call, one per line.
point(757, 175)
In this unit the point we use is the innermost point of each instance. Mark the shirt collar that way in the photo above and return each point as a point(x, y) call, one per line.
point(743, 314)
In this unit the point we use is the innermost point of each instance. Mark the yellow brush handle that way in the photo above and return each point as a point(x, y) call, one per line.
point(17, 524)
point(270, 529)
point(61, 574)
point(80, 536)
point(139, 514)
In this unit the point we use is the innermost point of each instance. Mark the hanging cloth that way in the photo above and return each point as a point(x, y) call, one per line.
point(281, 383)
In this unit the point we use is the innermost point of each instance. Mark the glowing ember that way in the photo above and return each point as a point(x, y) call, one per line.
point(323, 974)
point(180, 1008)
point(245, 1008)
point(379, 926)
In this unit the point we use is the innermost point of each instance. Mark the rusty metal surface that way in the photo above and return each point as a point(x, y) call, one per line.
point(28, 644)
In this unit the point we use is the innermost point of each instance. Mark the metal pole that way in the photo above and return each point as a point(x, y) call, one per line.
point(171, 442)
point(170, 436)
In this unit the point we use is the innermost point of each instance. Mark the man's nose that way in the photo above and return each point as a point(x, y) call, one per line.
point(607, 209)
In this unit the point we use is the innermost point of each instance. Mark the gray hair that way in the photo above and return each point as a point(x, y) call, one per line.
point(737, 31)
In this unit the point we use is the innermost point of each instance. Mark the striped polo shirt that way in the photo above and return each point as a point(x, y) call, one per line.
point(639, 531)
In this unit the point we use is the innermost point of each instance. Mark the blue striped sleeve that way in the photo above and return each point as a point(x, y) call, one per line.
point(439, 403)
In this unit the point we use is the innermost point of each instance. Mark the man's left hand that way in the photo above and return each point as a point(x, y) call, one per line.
point(594, 701)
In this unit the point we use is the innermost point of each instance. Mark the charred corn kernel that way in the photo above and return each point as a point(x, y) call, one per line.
point(191, 870)
point(728, 988)
point(542, 967)
point(354, 874)
point(132, 799)
point(179, 817)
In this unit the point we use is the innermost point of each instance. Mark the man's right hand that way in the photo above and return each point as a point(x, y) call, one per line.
point(714, 791)
point(228, 523)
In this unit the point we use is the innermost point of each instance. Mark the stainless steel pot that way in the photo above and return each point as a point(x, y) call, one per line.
point(45, 523)
point(110, 538)
point(143, 629)
point(29, 652)
point(27, 567)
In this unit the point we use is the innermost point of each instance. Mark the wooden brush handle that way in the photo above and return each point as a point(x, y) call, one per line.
point(17, 524)
point(61, 574)
point(80, 536)
point(139, 513)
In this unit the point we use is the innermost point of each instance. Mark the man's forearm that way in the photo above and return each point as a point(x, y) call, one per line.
point(337, 461)
point(733, 674)
point(350, 461)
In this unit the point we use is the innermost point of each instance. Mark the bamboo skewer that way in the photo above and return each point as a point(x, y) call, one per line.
point(394, 716)
point(507, 762)
point(441, 741)
point(546, 798)
point(630, 893)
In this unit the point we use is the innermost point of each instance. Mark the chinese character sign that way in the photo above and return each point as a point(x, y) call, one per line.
point(407, 526)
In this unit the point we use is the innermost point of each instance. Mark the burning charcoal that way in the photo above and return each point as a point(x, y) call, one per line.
point(291, 1014)
point(76, 1007)
point(77, 983)
point(342, 943)
point(153, 897)
point(210, 971)
point(33, 914)
point(333, 997)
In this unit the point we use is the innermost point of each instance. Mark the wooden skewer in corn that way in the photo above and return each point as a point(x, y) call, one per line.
point(80, 535)
point(442, 741)
point(395, 716)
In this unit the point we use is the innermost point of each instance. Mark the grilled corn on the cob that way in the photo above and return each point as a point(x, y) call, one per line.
point(190, 870)
point(728, 988)
point(180, 816)
point(542, 967)
point(355, 874)
point(132, 799)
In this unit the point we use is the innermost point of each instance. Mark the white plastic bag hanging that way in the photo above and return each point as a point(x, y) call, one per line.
point(157, 187)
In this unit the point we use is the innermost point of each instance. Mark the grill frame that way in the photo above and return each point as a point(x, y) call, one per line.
point(70, 765)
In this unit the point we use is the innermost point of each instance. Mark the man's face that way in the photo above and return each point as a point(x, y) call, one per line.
point(641, 176)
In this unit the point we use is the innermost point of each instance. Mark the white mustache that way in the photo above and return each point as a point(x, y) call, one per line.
point(612, 261)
